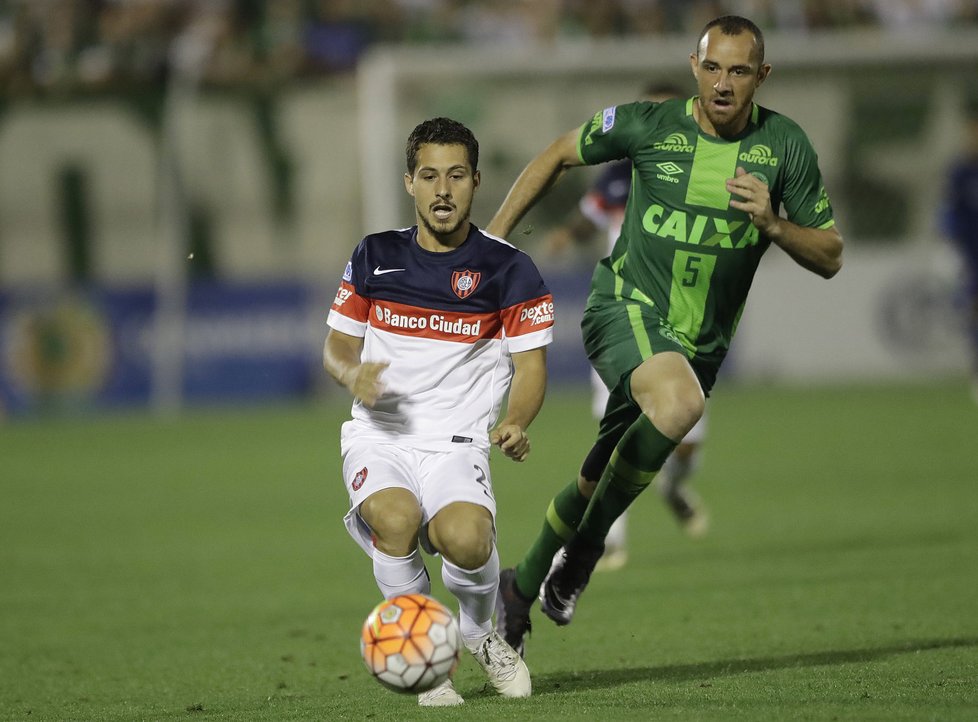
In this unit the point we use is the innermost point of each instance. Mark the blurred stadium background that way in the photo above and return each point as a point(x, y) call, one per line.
point(182, 182)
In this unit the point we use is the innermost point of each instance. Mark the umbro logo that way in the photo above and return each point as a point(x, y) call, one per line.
point(668, 171)
point(378, 271)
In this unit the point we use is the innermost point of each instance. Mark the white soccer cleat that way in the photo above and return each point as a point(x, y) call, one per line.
point(506, 669)
point(444, 695)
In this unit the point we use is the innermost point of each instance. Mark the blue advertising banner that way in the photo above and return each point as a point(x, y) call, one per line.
point(93, 347)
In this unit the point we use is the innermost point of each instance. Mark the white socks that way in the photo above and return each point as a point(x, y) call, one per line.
point(475, 590)
point(401, 575)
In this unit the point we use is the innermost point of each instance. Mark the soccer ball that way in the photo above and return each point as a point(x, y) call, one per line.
point(411, 643)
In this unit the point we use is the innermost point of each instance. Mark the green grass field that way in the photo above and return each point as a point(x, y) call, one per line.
point(198, 569)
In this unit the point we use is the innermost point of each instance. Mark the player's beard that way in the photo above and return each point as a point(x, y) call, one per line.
point(724, 123)
point(443, 229)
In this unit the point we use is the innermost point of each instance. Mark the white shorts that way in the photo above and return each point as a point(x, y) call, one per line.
point(436, 478)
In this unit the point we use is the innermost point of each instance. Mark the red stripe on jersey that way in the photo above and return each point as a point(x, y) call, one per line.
point(351, 305)
point(529, 316)
point(407, 320)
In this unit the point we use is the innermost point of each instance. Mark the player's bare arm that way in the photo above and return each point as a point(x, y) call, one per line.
point(526, 394)
point(341, 359)
point(534, 182)
point(818, 250)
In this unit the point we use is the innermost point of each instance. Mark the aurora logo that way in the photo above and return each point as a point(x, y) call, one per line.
point(676, 142)
point(759, 155)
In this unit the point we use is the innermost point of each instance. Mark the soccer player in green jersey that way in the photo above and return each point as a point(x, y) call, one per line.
point(717, 179)
point(603, 207)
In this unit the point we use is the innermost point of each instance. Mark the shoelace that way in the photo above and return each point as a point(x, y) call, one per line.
point(499, 659)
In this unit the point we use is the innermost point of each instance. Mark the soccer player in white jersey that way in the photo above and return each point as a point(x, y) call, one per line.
point(431, 326)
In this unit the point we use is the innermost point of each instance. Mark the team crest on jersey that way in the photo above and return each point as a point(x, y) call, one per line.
point(465, 282)
point(761, 177)
point(359, 478)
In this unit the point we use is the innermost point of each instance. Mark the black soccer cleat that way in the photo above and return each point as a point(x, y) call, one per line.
point(512, 612)
point(568, 577)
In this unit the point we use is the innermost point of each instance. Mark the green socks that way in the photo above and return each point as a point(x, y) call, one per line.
point(638, 456)
point(563, 516)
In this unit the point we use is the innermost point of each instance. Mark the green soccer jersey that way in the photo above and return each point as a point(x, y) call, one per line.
point(682, 248)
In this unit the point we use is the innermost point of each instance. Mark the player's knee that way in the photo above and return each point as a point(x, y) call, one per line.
point(690, 408)
point(394, 519)
point(677, 412)
point(469, 551)
point(463, 535)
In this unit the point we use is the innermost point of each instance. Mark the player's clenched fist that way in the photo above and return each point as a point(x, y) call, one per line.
point(512, 441)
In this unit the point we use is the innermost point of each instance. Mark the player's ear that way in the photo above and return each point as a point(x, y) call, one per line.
point(763, 72)
point(694, 64)
point(476, 179)
point(409, 184)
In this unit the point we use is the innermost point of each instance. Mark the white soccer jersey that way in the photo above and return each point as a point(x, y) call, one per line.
point(446, 323)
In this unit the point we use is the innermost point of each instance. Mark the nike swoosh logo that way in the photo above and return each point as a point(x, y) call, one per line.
point(379, 272)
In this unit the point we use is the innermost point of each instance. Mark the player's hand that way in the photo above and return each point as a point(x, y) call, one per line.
point(366, 384)
point(511, 440)
point(752, 196)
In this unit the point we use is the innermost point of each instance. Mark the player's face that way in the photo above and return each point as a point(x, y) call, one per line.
point(443, 186)
point(727, 73)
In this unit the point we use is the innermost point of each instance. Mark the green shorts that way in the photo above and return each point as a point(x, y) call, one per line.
point(618, 336)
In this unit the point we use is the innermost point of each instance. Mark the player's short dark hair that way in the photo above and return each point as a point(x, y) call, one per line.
point(734, 25)
point(441, 131)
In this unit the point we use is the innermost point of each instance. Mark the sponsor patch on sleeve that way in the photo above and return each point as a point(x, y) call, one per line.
point(349, 304)
point(343, 294)
point(529, 317)
point(608, 119)
point(348, 272)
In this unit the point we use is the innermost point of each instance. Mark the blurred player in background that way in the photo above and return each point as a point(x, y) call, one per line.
point(430, 327)
point(602, 209)
point(961, 225)
point(711, 174)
